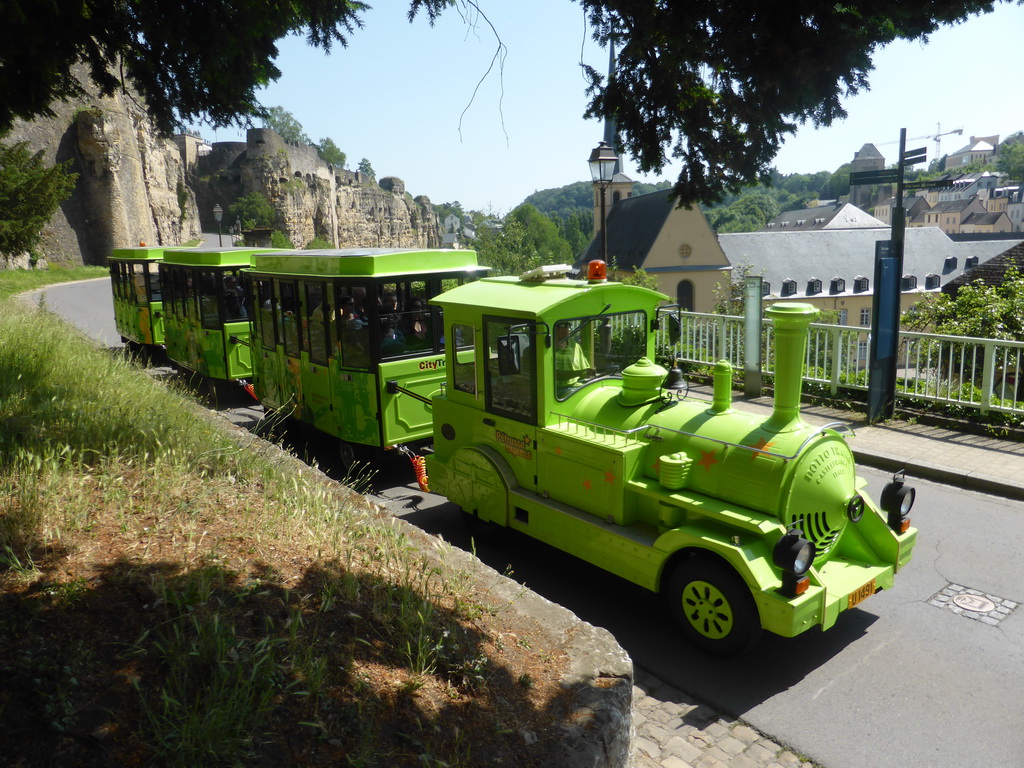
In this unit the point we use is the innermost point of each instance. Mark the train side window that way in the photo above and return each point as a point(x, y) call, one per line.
point(153, 276)
point(234, 298)
point(265, 315)
point(209, 293)
point(464, 368)
point(289, 318)
point(139, 283)
point(314, 323)
point(352, 331)
point(592, 347)
point(515, 394)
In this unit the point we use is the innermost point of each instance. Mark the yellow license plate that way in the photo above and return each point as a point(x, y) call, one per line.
point(860, 595)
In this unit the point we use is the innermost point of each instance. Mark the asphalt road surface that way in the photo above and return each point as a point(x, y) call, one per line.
point(898, 682)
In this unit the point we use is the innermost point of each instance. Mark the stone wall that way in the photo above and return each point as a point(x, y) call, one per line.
point(131, 186)
point(311, 198)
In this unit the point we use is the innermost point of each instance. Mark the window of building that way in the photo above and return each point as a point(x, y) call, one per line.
point(865, 316)
point(813, 286)
point(909, 282)
point(972, 261)
point(860, 284)
point(931, 282)
point(843, 315)
point(766, 288)
point(684, 295)
point(685, 251)
point(838, 285)
point(788, 287)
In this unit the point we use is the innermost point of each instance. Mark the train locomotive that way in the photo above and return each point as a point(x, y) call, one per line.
point(555, 422)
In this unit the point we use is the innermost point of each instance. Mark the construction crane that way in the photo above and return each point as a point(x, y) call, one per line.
point(936, 137)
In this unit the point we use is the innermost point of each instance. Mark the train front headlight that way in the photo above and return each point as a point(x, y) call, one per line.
point(897, 500)
point(794, 555)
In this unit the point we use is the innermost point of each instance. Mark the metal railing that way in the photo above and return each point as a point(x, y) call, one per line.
point(984, 374)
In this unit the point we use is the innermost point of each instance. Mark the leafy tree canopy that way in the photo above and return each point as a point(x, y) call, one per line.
point(330, 153)
point(718, 86)
point(714, 85)
point(30, 192)
point(982, 311)
point(288, 128)
point(365, 167)
point(1011, 160)
point(254, 210)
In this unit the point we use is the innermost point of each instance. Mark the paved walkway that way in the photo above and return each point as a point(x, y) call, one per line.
point(675, 731)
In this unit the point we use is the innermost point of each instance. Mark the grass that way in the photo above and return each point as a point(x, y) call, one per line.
point(177, 592)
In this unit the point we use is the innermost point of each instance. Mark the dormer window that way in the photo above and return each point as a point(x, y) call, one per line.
point(766, 288)
point(860, 284)
point(971, 262)
point(950, 264)
point(909, 282)
point(838, 285)
point(813, 286)
point(931, 281)
point(788, 287)
point(801, 222)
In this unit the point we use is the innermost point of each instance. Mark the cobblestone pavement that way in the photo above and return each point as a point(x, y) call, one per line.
point(674, 731)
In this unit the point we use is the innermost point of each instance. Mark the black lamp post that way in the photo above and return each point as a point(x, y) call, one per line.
point(218, 214)
point(602, 168)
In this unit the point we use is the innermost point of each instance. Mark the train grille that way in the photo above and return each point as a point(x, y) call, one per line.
point(817, 530)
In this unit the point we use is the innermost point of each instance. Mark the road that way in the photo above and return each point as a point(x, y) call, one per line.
point(898, 682)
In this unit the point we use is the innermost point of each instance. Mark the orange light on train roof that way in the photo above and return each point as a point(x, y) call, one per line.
point(597, 271)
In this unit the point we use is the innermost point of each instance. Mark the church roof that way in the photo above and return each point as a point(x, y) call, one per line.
point(633, 226)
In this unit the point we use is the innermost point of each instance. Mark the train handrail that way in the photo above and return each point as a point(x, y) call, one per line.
point(835, 426)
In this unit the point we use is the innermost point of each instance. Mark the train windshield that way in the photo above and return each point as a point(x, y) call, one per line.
point(596, 346)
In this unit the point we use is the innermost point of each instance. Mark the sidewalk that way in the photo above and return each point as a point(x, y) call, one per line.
point(964, 460)
point(673, 730)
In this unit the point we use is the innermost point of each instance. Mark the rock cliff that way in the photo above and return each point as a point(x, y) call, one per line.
point(311, 198)
point(131, 186)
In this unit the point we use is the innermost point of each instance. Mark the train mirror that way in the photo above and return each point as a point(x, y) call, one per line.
point(509, 355)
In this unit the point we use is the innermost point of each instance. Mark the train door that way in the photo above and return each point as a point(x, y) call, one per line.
point(316, 375)
point(266, 361)
point(289, 316)
point(353, 366)
point(510, 393)
point(237, 350)
point(211, 353)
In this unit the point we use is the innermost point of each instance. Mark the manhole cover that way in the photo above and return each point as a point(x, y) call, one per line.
point(973, 604)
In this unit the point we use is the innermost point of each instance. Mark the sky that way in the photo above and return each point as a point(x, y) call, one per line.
point(434, 107)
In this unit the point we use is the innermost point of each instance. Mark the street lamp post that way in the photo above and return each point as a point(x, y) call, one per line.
point(218, 214)
point(602, 168)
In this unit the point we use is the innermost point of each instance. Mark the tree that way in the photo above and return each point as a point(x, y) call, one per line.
point(366, 168)
point(288, 128)
point(1011, 160)
point(714, 85)
point(982, 311)
point(30, 193)
point(330, 153)
point(254, 210)
point(541, 239)
point(719, 85)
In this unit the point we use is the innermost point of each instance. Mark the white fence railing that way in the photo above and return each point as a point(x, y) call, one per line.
point(984, 374)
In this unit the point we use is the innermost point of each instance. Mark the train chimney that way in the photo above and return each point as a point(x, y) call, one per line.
point(791, 320)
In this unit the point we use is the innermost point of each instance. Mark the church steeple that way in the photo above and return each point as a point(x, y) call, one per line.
point(621, 185)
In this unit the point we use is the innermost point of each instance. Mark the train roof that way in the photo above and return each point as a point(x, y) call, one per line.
point(213, 257)
point(524, 296)
point(369, 262)
point(139, 253)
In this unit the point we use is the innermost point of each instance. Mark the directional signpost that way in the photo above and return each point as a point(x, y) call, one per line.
point(885, 310)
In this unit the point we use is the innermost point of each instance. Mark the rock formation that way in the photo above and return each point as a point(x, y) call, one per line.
point(311, 198)
point(131, 186)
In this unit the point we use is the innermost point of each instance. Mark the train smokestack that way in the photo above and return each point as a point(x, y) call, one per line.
point(791, 320)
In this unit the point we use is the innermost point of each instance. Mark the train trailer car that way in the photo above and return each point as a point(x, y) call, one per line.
point(138, 299)
point(206, 313)
point(345, 341)
point(555, 422)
